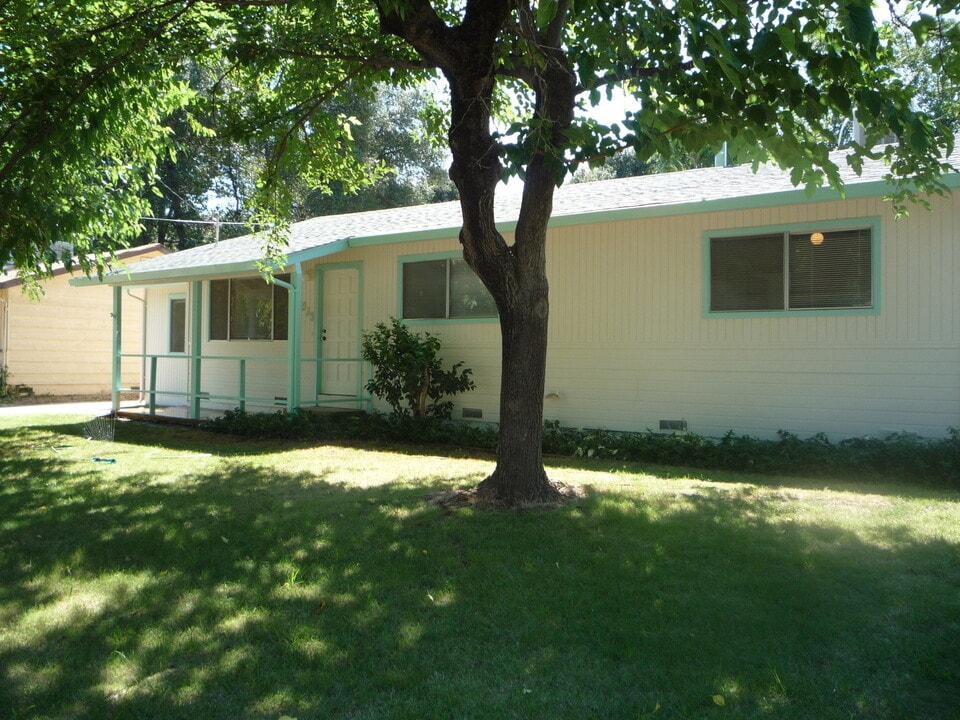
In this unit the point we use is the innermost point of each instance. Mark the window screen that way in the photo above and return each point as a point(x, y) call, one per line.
point(468, 296)
point(219, 309)
point(792, 271)
point(178, 325)
point(442, 289)
point(248, 309)
point(425, 289)
point(834, 271)
point(746, 273)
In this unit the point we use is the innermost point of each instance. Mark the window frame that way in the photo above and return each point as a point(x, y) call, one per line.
point(433, 257)
point(873, 224)
point(274, 287)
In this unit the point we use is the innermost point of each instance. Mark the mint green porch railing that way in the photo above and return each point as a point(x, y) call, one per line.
point(361, 400)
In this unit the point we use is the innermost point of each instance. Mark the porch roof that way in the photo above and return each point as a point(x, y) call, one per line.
point(11, 277)
point(683, 192)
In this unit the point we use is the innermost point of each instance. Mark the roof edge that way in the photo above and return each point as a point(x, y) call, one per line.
point(122, 254)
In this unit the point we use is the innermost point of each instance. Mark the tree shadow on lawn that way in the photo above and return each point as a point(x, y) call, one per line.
point(248, 593)
point(160, 435)
point(172, 437)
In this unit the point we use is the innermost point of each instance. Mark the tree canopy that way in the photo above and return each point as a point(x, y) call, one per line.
point(86, 85)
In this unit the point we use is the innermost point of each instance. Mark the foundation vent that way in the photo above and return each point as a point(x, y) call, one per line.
point(473, 413)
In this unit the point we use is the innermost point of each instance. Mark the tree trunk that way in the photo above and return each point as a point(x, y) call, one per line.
point(514, 274)
point(519, 477)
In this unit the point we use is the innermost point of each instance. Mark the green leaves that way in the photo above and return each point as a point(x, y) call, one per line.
point(408, 373)
point(86, 86)
point(858, 18)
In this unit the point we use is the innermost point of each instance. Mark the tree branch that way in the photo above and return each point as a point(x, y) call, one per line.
point(79, 93)
point(376, 63)
point(634, 71)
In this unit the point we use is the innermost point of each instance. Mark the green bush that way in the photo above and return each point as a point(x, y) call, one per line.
point(901, 456)
point(408, 373)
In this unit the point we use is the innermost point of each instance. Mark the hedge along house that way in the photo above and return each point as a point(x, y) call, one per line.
point(710, 300)
point(59, 344)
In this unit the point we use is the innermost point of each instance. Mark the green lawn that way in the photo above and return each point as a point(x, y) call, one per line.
point(202, 577)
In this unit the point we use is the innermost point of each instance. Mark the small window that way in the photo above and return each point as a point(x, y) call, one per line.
point(444, 289)
point(178, 325)
point(248, 309)
point(792, 271)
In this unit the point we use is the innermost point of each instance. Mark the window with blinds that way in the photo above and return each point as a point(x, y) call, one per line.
point(444, 289)
point(792, 271)
point(248, 309)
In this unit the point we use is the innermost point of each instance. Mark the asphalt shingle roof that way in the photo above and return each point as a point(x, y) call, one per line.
point(691, 190)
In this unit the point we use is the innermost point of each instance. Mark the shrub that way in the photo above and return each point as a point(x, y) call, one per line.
point(9, 391)
point(900, 456)
point(407, 369)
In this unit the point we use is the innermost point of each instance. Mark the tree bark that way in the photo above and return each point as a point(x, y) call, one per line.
point(514, 274)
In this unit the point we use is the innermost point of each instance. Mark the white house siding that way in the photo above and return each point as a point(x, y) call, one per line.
point(265, 361)
point(630, 344)
point(475, 343)
point(266, 369)
point(173, 372)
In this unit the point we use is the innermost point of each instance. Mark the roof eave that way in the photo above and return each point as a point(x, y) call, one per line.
point(852, 191)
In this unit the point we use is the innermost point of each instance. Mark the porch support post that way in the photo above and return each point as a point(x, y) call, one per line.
point(294, 333)
point(117, 378)
point(196, 334)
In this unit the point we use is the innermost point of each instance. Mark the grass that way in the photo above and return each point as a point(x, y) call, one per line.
point(200, 576)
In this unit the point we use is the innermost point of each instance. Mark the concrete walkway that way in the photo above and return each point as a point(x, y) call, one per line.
point(97, 407)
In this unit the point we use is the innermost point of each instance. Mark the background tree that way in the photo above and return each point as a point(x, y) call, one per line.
point(209, 176)
point(926, 66)
point(391, 134)
point(627, 164)
point(768, 77)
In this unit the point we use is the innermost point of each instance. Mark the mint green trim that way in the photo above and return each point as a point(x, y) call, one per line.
point(171, 276)
point(797, 196)
point(116, 380)
point(196, 339)
point(875, 223)
point(451, 321)
point(153, 385)
point(294, 334)
point(427, 257)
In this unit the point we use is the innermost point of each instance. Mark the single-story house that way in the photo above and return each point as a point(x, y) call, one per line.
point(60, 343)
point(709, 300)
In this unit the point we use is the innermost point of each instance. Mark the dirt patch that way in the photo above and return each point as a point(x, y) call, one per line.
point(473, 497)
point(53, 399)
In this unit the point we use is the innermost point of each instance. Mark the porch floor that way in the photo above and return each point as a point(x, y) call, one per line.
point(167, 413)
point(180, 414)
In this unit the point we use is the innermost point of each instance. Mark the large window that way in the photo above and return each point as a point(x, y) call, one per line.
point(248, 309)
point(446, 289)
point(785, 271)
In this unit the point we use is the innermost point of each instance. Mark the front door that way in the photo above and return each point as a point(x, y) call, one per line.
point(340, 332)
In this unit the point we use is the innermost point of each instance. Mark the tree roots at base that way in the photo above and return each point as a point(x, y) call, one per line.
point(483, 498)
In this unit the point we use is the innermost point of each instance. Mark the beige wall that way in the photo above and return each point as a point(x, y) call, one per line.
point(62, 343)
point(630, 343)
